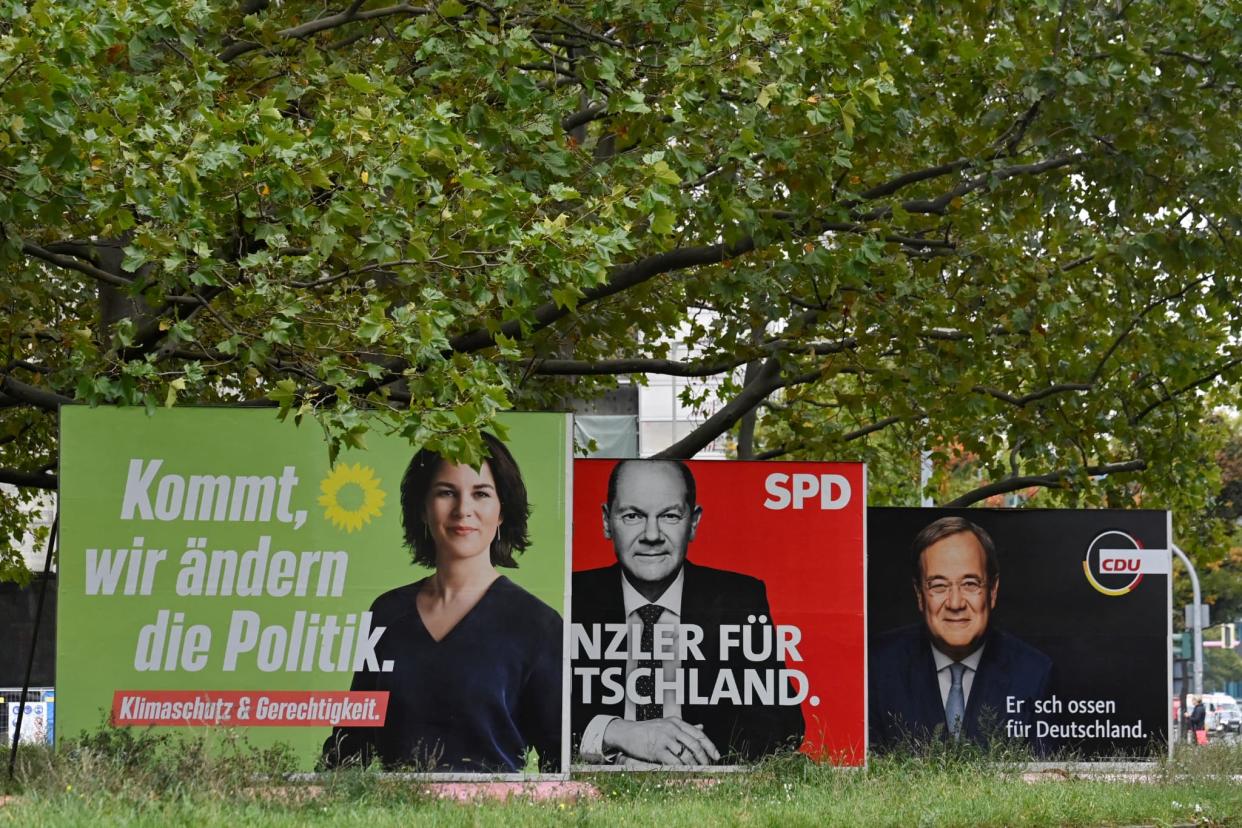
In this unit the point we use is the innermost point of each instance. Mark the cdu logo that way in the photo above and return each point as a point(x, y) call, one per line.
point(1116, 563)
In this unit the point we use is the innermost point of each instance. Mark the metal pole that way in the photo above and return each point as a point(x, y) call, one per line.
point(1196, 619)
point(34, 639)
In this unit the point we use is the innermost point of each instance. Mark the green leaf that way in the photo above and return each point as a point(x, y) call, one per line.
point(565, 298)
point(562, 193)
point(361, 83)
point(662, 221)
point(375, 324)
point(315, 176)
point(173, 387)
point(135, 257)
point(283, 393)
point(637, 102)
point(661, 171)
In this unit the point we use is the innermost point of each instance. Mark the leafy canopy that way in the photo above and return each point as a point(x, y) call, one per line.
point(1002, 231)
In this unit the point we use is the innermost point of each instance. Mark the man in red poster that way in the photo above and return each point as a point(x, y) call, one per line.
point(677, 688)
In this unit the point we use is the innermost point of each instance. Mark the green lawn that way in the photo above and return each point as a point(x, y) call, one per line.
point(123, 781)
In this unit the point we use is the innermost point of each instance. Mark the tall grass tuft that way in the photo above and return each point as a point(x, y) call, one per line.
point(143, 777)
point(114, 760)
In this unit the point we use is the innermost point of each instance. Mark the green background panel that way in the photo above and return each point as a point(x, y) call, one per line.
point(98, 634)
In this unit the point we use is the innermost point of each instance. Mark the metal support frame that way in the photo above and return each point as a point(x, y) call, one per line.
point(1196, 620)
point(34, 640)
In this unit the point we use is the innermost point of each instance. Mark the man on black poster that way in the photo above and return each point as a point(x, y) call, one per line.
point(651, 516)
point(955, 674)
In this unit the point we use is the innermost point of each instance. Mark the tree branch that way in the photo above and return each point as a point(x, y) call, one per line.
point(70, 263)
point(1186, 56)
point(97, 273)
point(820, 227)
point(1027, 399)
point(635, 365)
point(357, 271)
point(1050, 480)
point(585, 32)
point(940, 204)
point(584, 116)
point(628, 276)
point(29, 480)
point(894, 184)
point(773, 453)
point(623, 278)
point(1190, 386)
point(1008, 141)
point(768, 380)
point(644, 365)
point(869, 429)
point(1138, 317)
point(333, 21)
point(32, 395)
point(81, 249)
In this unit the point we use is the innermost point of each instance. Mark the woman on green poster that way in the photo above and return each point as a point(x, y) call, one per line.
point(476, 675)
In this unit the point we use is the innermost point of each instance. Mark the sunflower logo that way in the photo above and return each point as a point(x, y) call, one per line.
point(351, 496)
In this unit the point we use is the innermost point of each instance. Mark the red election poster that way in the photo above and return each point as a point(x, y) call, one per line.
point(717, 612)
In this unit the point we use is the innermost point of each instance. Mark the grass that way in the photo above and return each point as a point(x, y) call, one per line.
point(139, 778)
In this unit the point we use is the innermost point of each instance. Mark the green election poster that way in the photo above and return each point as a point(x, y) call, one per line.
point(217, 571)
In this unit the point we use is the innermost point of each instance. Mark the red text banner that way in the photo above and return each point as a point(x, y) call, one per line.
point(249, 708)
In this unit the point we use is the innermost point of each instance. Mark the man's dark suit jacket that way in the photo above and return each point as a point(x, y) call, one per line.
point(710, 597)
point(904, 693)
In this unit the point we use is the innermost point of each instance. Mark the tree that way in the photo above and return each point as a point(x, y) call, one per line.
point(1228, 505)
point(1221, 573)
point(1220, 667)
point(1004, 227)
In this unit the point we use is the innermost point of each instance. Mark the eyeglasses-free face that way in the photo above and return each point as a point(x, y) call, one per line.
point(463, 511)
point(650, 523)
point(954, 596)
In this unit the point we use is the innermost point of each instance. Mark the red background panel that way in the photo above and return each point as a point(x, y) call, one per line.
point(812, 561)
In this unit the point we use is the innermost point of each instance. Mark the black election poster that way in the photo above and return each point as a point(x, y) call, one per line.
point(1060, 621)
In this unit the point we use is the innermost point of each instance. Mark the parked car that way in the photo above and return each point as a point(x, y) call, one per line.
point(1223, 712)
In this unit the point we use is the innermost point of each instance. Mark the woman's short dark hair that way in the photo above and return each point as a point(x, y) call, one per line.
point(512, 536)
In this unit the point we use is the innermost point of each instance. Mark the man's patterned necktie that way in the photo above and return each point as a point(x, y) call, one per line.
point(955, 707)
point(646, 682)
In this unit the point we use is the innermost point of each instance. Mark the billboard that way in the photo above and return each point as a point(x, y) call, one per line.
point(217, 571)
point(717, 612)
point(1047, 629)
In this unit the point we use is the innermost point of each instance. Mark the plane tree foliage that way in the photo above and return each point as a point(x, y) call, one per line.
point(1220, 667)
point(1004, 229)
point(1220, 575)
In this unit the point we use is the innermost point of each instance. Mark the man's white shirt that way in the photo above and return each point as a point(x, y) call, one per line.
point(945, 677)
point(592, 747)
